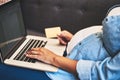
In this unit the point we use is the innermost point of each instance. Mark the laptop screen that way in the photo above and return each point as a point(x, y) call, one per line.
point(11, 26)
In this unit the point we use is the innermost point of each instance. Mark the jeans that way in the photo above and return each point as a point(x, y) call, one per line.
point(15, 73)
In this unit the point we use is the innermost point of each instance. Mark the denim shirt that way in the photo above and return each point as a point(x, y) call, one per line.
point(91, 48)
point(98, 55)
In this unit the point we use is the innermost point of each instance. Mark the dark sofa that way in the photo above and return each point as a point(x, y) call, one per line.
point(71, 15)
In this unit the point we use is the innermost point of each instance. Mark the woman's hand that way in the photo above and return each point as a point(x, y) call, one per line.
point(3, 1)
point(49, 57)
point(42, 54)
point(64, 37)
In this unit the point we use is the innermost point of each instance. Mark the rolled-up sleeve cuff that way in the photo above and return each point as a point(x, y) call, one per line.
point(84, 69)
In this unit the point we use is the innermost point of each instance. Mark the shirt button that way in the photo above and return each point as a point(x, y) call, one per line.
point(79, 43)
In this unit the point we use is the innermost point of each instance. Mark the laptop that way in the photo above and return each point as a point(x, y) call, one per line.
point(14, 41)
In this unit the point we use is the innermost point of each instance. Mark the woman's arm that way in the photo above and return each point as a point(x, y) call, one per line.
point(65, 63)
point(49, 57)
point(107, 69)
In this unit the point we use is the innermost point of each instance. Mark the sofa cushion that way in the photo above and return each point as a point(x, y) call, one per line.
point(71, 15)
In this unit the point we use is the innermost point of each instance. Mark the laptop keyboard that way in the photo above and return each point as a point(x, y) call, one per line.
point(30, 44)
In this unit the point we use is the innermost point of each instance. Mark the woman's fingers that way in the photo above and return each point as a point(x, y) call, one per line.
point(32, 56)
point(35, 49)
point(32, 52)
point(64, 37)
point(62, 41)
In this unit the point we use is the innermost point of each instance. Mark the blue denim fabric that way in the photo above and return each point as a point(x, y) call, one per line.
point(91, 48)
point(96, 61)
point(108, 68)
point(111, 34)
point(15, 73)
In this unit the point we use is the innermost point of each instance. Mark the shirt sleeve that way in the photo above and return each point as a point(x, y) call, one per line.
point(108, 69)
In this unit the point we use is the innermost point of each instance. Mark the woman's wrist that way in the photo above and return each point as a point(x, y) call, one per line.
point(65, 63)
point(55, 61)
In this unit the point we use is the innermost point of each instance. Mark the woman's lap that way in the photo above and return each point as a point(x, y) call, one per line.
point(16, 73)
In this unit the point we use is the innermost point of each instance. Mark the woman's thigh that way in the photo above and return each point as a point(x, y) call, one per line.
point(16, 73)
